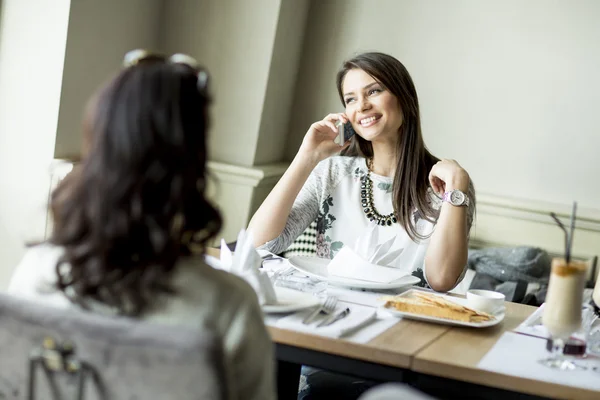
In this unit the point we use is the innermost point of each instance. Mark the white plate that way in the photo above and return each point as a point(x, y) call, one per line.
point(317, 268)
point(289, 300)
point(498, 317)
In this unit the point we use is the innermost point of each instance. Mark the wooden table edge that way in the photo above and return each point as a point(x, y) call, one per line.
point(502, 381)
point(339, 347)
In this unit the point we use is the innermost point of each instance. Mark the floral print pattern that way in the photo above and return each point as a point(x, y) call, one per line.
point(326, 248)
point(421, 275)
point(386, 187)
point(358, 174)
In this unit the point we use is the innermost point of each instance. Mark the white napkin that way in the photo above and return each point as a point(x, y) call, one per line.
point(367, 246)
point(348, 264)
point(368, 260)
point(245, 263)
point(359, 317)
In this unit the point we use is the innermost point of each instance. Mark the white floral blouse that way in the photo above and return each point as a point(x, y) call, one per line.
point(332, 197)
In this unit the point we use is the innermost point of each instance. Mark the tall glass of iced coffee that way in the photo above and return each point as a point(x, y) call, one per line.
point(562, 311)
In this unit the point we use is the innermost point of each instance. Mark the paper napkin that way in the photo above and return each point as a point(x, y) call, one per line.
point(368, 260)
point(358, 318)
point(245, 262)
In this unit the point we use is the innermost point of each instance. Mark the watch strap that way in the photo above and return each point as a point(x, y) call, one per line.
point(447, 198)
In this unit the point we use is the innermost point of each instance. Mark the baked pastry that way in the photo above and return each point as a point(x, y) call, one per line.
point(432, 305)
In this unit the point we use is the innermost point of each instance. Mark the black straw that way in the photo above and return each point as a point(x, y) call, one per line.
point(560, 224)
point(571, 231)
point(568, 234)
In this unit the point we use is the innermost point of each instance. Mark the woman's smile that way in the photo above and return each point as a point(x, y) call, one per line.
point(370, 120)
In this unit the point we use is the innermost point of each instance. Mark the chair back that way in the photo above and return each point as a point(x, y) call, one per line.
point(47, 353)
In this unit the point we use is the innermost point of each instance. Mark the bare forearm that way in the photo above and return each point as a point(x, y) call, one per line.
point(448, 249)
point(447, 252)
point(269, 220)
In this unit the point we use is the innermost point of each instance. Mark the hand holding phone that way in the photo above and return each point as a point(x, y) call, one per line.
point(345, 132)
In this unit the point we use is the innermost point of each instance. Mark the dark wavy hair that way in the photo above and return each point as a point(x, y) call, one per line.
point(414, 161)
point(136, 203)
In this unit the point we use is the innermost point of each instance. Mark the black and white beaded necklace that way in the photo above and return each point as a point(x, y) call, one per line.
point(367, 203)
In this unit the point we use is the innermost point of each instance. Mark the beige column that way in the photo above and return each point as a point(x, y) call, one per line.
point(99, 35)
point(252, 49)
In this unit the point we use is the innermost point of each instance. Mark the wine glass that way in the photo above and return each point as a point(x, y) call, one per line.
point(562, 311)
point(592, 332)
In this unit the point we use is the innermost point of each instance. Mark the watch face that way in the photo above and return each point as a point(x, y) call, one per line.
point(457, 197)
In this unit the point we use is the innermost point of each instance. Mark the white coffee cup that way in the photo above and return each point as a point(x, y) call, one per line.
point(485, 300)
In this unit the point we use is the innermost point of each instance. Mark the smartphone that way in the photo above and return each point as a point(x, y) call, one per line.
point(345, 132)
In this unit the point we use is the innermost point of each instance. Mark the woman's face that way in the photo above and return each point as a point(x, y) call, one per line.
point(373, 110)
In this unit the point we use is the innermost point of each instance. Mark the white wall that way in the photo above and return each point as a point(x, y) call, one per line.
point(32, 49)
point(508, 88)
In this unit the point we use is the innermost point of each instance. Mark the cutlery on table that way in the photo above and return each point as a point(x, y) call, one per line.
point(334, 317)
point(326, 308)
point(271, 257)
point(282, 272)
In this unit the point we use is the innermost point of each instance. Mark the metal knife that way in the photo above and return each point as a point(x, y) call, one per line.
point(334, 317)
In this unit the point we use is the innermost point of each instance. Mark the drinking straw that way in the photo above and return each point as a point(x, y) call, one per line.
point(568, 234)
point(571, 231)
point(560, 224)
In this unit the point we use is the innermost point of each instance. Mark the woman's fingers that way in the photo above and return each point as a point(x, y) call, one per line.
point(336, 117)
point(324, 126)
point(437, 184)
point(332, 126)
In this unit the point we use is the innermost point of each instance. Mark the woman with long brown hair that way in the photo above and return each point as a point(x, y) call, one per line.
point(384, 175)
point(132, 220)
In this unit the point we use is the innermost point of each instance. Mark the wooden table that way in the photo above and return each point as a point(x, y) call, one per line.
point(419, 353)
point(395, 347)
point(455, 355)
point(387, 357)
point(424, 355)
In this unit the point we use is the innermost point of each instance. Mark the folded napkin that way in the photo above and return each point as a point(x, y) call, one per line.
point(245, 262)
point(368, 260)
point(358, 318)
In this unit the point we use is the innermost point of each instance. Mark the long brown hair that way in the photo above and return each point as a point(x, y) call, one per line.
point(414, 161)
point(136, 203)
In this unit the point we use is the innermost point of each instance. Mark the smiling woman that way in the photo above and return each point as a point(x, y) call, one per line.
point(384, 175)
point(385, 178)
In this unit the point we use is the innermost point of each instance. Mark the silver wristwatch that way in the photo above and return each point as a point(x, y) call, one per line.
point(456, 198)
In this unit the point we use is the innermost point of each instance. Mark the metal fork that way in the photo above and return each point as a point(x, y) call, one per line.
point(327, 308)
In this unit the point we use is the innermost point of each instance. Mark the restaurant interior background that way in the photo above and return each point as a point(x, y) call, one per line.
point(509, 88)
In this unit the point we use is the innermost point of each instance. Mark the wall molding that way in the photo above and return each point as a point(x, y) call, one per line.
point(510, 222)
point(256, 176)
point(234, 188)
point(500, 220)
point(537, 211)
point(238, 190)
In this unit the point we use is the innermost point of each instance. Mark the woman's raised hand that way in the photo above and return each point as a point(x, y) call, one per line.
point(448, 175)
point(318, 142)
